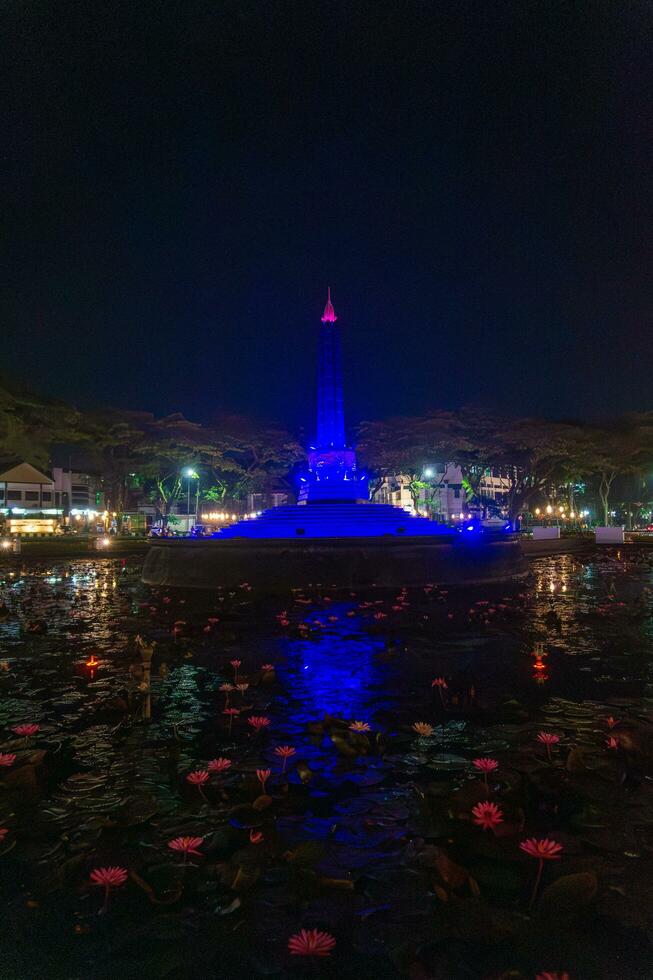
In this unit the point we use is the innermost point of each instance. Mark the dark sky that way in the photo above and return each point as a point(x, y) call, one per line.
point(182, 180)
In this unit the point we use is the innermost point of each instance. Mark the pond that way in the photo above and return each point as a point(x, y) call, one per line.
point(370, 826)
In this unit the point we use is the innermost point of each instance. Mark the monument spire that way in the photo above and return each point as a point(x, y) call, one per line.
point(329, 313)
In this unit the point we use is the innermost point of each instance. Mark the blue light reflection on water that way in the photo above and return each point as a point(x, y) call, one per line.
point(337, 670)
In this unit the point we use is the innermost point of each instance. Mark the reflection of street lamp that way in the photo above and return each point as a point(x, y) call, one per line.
point(191, 474)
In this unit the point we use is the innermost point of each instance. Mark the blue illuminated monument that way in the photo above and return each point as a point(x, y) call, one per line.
point(334, 535)
point(333, 476)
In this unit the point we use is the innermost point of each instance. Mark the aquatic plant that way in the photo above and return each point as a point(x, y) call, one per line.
point(263, 775)
point(543, 850)
point(423, 729)
point(218, 765)
point(186, 846)
point(231, 713)
point(108, 878)
point(311, 942)
point(198, 778)
point(7, 759)
point(26, 731)
point(258, 722)
point(441, 685)
point(548, 739)
point(285, 752)
point(486, 766)
point(255, 836)
point(359, 726)
point(487, 815)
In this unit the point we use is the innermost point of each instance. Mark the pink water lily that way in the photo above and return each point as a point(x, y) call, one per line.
point(487, 815)
point(263, 775)
point(543, 850)
point(26, 731)
point(311, 942)
point(486, 766)
point(548, 739)
point(218, 765)
point(198, 778)
point(108, 878)
point(359, 726)
point(285, 752)
point(255, 837)
point(423, 729)
point(258, 722)
point(7, 759)
point(186, 846)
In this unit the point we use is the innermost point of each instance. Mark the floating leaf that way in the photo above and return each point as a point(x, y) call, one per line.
point(569, 893)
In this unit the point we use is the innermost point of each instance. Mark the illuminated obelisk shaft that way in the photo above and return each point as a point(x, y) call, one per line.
point(330, 404)
point(332, 464)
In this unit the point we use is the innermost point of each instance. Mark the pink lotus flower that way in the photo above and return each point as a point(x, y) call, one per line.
point(552, 976)
point(543, 850)
point(198, 778)
point(442, 686)
point(3, 833)
point(255, 836)
point(26, 731)
point(359, 726)
point(235, 664)
point(267, 666)
point(486, 766)
point(263, 775)
point(7, 758)
point(258, 722)
point(241, 688)
point(219, 765)
point(231, 713)
point(285, 752)
point(548, 739)
point(611, 722)
point(311, 942)
point(487, 815)
point(108, 878)
point(186, 846)
point(612, 742)
point(423, 729)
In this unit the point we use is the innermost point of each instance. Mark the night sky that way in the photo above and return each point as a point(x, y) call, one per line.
point(182, 180)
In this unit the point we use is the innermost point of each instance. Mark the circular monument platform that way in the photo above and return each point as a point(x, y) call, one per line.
point(341, 545)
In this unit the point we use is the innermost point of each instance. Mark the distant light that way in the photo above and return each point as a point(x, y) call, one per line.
point(106, 542)
point(429, 472)
point(190, 472)
point(6, 544)
point(537, 511)
point(549, 509)
point(470, 527)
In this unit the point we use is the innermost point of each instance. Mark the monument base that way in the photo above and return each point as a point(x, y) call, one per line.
point(275, 566)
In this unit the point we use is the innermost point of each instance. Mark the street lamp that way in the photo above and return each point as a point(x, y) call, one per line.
point(429, 472)
point(191, 474)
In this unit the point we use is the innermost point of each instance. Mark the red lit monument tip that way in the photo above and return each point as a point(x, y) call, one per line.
point(329, 312)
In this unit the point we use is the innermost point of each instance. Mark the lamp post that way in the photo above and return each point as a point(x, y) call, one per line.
point(191, 474)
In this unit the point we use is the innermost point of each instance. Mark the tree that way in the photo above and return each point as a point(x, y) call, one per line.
point(624, 448)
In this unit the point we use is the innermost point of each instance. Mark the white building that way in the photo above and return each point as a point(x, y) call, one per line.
point(444, 498)
point(28, 501)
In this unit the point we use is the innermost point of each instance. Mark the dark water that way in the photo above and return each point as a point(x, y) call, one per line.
point(368, 837)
